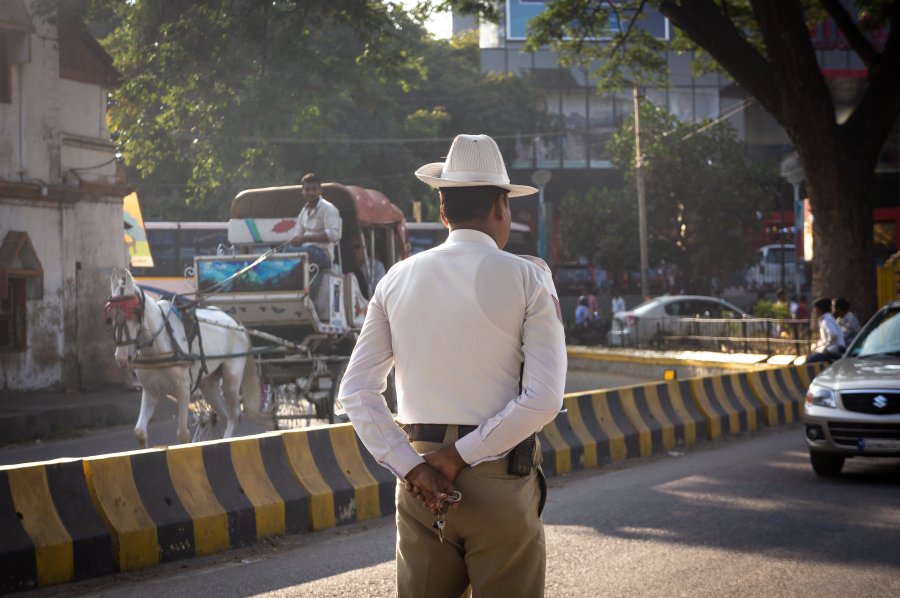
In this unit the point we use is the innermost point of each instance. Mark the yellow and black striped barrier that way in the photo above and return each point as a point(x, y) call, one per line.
point(598, 428)
point(70, 519)
point(49, 531)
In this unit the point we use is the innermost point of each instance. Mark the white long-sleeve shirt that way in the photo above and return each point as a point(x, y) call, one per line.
point(829, 334)
point(458, 322)
point(325, 219)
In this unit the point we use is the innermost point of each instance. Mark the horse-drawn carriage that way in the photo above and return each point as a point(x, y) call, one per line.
point(303, 322)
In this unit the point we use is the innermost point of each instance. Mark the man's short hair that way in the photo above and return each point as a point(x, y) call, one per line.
point(459, 204)
point(310, 177)
point(823, 304)
point(842, 304)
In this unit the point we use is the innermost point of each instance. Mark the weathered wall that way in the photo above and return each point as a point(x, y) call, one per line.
point(41, 365)
point(58, 181)
point(97, 240)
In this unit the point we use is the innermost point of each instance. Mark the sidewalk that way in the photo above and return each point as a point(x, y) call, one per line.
point(26, 415)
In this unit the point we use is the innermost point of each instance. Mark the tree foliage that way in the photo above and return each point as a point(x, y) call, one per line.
point(222, 95)
point(766, 47)
point(701, 193)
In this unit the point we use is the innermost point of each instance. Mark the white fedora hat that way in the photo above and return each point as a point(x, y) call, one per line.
point(473, 160)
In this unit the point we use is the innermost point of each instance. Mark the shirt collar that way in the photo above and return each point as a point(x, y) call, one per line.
point(469, 235)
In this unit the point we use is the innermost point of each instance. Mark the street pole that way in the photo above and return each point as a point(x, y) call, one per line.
point(541, 178)
point(642, 207)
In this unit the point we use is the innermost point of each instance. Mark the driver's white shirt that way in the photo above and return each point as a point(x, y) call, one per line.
point(325, 219)
point(457, 322)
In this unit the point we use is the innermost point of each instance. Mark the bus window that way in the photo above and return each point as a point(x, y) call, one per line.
point(193, 242)
point(163, 247)
point(173, 246)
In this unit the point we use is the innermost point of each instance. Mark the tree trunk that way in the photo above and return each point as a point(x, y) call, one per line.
point(843, 258)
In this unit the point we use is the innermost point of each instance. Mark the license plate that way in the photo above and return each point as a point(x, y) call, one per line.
point(879, 444)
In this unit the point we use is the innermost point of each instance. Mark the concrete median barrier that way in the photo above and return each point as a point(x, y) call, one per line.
point(344, 483)
point(728, 404)
point(49, 530)
point(783, 390)
point(135, 496)
point(66, 520)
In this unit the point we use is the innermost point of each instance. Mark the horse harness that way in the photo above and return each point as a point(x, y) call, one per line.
point(119, 309)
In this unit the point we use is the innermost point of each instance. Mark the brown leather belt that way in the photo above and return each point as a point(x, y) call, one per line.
point(433, 432)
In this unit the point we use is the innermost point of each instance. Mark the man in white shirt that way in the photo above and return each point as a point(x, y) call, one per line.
point(831, 339)
point(318, 226)
point(618, 303)
point(846, 319)
point(476, 338)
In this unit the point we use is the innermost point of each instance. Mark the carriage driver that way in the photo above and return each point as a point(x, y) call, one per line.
point(476, 338)
point(318, 226)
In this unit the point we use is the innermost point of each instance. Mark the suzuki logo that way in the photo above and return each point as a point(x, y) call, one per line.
point(880, 401)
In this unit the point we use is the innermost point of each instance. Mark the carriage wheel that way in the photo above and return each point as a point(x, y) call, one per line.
point(203, 421)
point(291, 411)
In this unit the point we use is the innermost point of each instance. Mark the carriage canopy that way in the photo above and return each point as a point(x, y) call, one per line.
point(369, 205)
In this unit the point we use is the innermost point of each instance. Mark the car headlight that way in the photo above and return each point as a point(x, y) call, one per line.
point(819, 395)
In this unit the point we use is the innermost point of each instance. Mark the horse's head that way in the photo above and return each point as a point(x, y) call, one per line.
point(125, 311)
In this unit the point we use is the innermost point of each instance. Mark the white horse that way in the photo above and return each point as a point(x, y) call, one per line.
point(151, 336)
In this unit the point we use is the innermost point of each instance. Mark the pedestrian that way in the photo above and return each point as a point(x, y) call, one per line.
point(582, 312)
point(831, 340)
point(318, 226)
point(618, 303)
point(846, 319)
point(475, 336)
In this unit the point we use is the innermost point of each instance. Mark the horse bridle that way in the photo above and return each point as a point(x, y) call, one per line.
point(119, 309)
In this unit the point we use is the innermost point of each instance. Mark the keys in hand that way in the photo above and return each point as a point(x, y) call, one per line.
point(439, 525)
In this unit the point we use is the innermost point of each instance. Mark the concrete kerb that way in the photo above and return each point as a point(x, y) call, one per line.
point(164, 504)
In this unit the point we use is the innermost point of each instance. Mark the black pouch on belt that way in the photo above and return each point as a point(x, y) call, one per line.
point(521, 458)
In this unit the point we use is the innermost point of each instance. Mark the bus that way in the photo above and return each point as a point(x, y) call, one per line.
point(425, 235)
point(173, 246)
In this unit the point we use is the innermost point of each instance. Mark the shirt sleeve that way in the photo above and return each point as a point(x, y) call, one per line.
point(360, 395)
point(543, 381)
point(333, 225)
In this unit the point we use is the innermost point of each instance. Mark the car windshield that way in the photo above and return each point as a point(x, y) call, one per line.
point(881, 336)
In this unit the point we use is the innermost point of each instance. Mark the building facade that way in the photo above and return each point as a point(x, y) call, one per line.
point(576, 120)
point(60, 204)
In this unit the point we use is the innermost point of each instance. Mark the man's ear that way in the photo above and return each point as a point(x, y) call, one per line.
point(500, 203)
point(443, 216)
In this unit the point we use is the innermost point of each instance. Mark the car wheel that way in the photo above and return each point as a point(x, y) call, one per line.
point(826, 465)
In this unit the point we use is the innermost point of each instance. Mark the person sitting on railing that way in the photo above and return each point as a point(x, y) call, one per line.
point(318, 226)
point(831, 340)
point(846, 319)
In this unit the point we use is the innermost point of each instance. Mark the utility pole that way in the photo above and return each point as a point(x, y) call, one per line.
point(642, 205)
point(541, 178)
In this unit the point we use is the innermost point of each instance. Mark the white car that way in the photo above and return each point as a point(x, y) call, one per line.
point(853, 408)
point(766, 272)
point(668, 315)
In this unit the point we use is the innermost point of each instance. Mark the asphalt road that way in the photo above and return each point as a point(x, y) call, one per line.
point(162, 428)
point(742, 517)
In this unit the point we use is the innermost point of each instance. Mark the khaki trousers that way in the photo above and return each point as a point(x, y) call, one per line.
point(493, 542)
